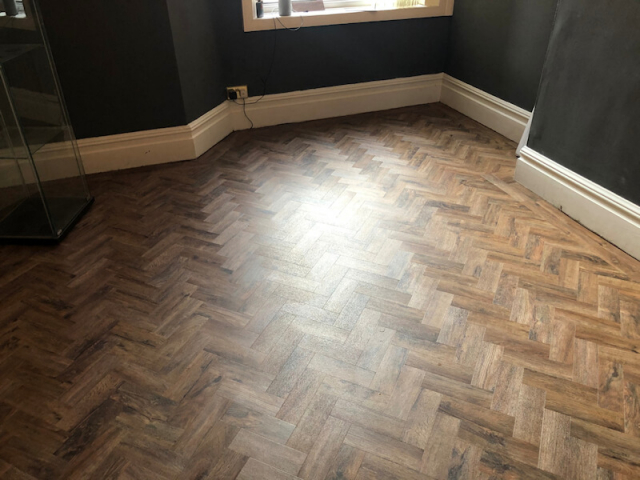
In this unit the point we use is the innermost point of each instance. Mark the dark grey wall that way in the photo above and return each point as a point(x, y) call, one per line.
point(588, 112)
point(499, 46)
point(197, 54)
point(136, 65)
point(116, 64)
point(326, 56)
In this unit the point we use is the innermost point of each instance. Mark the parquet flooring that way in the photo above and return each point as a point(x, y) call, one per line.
point(364, 297)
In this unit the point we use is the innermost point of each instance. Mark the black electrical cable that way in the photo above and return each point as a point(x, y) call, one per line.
point(265, 81)
point(244, 110)
point(290, 29)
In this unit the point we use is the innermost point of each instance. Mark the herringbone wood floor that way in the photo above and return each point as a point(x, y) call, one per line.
point(364, 297)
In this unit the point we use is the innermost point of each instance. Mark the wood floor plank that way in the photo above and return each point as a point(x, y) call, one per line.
point(289, 373)
point(314, 418)
point(611, 384)
point(529, 413)
point(491, 441)
point(300, 396)
point(259, 423)
point(384, 447)
point(256, 470)
point(341, 370)
point(346, 464)
point(556, 441)
point(484, 417)
point(458, 390)
point(324, 450)
point(256, 446)
point(377, 467)
point(632, 408)
point(389, 369)
point(357, 415)
point(405, 393)
point(439, 448)
point(495, 464)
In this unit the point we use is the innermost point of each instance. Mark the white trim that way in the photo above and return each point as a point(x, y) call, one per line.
point(136, 149)
point(301, 106)
point(493, 112)
point(187, 142)
point(600, 210)
point(150, 147)
point(211, 128)
point(334, 16)
point(129, 150)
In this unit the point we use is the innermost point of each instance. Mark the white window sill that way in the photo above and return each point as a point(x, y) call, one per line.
point(338, 16)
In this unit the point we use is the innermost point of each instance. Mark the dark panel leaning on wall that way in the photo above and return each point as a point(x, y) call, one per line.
point(116, 63)
point(499, 46)
point(588, 112)
point(327, 56)
point(197, 54)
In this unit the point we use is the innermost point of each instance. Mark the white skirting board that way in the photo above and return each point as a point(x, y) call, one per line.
point(187, 142)
point(151, 147)
point(493, 112)
point(338, 101)
point(600, 210)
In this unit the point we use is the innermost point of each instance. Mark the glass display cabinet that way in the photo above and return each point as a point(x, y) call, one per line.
point(43, 190)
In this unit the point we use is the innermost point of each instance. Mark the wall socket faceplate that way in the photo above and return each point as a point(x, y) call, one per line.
point(240, 92)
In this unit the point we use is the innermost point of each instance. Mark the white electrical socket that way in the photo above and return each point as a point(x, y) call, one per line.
point(241, 91)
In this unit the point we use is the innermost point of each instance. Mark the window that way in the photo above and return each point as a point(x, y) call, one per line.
point(271, 6)
point(311, 13)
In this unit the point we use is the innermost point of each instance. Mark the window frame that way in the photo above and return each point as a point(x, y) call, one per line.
point(333, 3)
point(338, 16)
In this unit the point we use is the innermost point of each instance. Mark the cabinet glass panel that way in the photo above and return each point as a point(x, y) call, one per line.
point(43, 190)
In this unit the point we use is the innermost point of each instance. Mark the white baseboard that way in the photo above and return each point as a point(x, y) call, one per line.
point(187, 142)
point(211, 128)
point(150, 147)
point(493, 112)
point(600, 210)
point(116, 152)
point(319, 103)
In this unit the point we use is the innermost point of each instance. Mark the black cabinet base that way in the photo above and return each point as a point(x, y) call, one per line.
point(27, 224)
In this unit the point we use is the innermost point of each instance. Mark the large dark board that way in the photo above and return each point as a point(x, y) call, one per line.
point(116, 64)
point(196, 47)
point(587, 115)
point(499, 46)
point(326, 56)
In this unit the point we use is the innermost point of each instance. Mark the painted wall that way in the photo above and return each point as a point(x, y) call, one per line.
point(128, 66)
point(499, 46)
point(327, 56)
point(116, 63)
point(197, 54)
point(588, 112)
